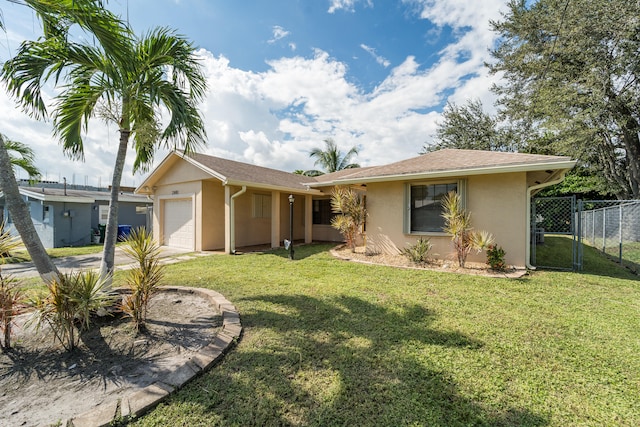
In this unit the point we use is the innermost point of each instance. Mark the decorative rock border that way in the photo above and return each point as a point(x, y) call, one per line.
point(514, 273)
point(140, 401)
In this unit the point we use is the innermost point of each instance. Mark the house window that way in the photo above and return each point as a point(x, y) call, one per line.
point(322, 213)
point(261, 206)
point(46, 214)
point(425, 206)
point(103, 214)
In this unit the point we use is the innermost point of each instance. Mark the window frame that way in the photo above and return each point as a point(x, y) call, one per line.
point(461, 189)
point(261, 206)
point(320, 211)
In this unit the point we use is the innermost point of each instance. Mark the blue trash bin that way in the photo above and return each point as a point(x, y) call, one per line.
point(123, 231)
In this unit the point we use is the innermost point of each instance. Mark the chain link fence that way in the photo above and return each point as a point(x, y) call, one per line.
point(553, 239)
point(563, 228)
point(613, 227)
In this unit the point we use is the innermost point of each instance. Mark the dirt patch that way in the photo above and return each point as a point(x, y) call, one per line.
point(473, 268)
point(41, 383)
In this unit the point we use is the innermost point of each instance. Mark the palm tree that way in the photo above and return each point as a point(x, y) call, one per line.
point(18, 209)
point(130, 86)
point(331, 158)
point(57, 17)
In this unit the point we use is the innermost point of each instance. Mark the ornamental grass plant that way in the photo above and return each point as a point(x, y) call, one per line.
point(142, 282)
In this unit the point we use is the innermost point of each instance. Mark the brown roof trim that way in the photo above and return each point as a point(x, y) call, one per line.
point(453, 162)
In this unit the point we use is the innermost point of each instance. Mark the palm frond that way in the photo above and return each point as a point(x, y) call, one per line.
point(25, 158)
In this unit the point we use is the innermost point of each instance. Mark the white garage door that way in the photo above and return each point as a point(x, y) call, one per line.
point(178, 223)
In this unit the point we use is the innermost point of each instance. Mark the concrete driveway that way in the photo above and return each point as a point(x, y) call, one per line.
point(91, 261)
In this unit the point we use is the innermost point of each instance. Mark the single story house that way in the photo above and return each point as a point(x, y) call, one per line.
point(202, 202)
point(70, 217)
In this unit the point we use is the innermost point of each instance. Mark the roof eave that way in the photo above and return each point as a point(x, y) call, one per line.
point(147, 184)
point(565, 165)
point(271, 187)
point(56, 198)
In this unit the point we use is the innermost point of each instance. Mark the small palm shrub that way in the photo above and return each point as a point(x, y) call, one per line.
point(418, 252)
point(10, 289)
point(495, 258)
point(67, 307)
point(351, 214)
point(11, 298)
point(144, 280)
point(458, 224)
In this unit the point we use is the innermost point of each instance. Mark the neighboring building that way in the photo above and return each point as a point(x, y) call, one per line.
point(68, 217)
point(205, 203)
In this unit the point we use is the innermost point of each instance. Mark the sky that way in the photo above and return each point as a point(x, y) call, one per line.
point(285, 75)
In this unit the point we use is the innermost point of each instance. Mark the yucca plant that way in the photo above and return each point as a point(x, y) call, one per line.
point(418, 253)
point(457, 222)
point(68, 304)
point(351, 214)
point(143, 281)
point(10, 290)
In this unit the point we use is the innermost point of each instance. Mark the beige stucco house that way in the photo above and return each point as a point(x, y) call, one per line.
point(207, 203)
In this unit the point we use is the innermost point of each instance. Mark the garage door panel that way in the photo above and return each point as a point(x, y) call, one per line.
point(179, 228)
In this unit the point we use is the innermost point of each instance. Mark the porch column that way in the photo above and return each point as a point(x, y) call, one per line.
point(308, 218)
point(275, 219)
point(227, 219)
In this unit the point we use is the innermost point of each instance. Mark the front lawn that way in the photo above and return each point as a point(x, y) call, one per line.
point(328, 342)
point(23, 256)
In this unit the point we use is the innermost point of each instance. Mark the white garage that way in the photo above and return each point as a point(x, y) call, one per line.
point(178, 224)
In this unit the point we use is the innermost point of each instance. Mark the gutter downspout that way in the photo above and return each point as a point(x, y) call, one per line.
point(232, 214)
point(527, 252)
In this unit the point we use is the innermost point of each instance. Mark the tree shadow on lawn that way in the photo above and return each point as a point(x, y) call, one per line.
point(301, 250)
point(339, 361)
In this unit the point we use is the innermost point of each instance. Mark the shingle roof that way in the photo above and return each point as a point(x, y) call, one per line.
point(448, 162)
point(90, 196)
point(239, 172)
point(333, 176)
point(454, 160)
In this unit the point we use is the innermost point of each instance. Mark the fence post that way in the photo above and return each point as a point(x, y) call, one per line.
point(620, 234)
point(579, 251)
point(533, 239)
point(604, 230)
point(574, 243)
point(593, 229)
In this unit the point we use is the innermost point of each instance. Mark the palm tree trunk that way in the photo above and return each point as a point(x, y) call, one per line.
point(111, 233)
point(22, 218)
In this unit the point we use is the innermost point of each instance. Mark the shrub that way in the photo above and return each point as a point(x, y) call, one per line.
point(458, 224)
point(144, 280)
point(10, 306)
point(418, 252)
point(69, 303)
point(351, 214)
point(495, 258)
point(10, 292)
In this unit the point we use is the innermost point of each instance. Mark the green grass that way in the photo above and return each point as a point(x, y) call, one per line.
point(23, 255)
point(555, 252)
point(630, 255)
point(328, 342)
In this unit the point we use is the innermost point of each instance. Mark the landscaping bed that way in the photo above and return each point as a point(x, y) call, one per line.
point(42, 383)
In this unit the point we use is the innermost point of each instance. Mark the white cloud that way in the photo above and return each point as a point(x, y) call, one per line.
point(275, 117)
point(379, 59)
point(278, 34)
point(348, 5)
